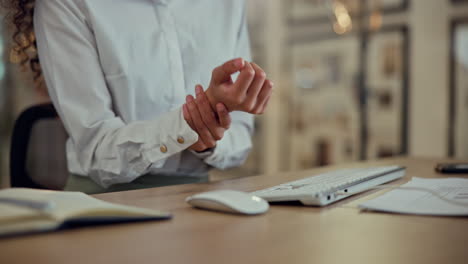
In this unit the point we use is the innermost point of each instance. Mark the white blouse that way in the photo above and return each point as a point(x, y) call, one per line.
point(118, 72)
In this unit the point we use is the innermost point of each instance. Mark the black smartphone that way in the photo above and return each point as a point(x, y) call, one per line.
point(452, 167)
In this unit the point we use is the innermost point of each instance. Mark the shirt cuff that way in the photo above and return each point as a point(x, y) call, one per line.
point(177, 136)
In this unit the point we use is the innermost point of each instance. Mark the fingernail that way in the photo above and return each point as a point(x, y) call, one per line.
point(189, 98)
point(198, 89)
point(238, 63)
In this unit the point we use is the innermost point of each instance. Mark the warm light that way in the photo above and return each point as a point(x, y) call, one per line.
point(375, 20)
point(343, 22)
point(338, 29)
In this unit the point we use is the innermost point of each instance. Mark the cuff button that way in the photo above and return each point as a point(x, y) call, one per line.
point(181, 140)
point(163, 148)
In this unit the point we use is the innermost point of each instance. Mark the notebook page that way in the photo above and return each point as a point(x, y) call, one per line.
point(9, 211)
point(68, 204)
point(421, 202)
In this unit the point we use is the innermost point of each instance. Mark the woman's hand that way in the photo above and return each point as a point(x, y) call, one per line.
point(209, 125)
point(250, 93)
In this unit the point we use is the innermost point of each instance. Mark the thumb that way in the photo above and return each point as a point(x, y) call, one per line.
point(223, 73)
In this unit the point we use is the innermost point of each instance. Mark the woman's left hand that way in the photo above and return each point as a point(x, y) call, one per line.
point(209, 125)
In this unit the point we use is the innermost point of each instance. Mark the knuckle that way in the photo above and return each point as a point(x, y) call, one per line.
point(266, 90)
point(238, 99)
point(250, 106)
point(202, 98)
point(245, 109)
point(250, 72)
point(211, 144)
point(260, 74)
point(215, 71)
point(201, 147)
point(256, 111)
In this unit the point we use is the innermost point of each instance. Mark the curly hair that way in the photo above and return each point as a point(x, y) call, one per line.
point(19, 16)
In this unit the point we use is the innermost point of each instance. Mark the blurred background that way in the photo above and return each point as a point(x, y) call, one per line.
point(355, 80)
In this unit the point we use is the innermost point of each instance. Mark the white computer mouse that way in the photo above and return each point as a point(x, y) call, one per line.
point(229, 201)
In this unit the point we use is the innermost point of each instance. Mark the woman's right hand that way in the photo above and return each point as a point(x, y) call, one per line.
point(250, 93)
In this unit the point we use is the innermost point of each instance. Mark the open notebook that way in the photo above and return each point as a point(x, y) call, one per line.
point(30, 211)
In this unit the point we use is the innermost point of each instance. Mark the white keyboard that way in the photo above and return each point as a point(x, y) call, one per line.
point(332, 186)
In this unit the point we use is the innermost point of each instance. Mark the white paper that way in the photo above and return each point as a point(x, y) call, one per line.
point(422, 202)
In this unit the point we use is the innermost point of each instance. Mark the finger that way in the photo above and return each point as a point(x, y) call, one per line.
point(185, 112)
point(255, 87)
point(223, 73)
point(223, 115)
point(199, 146)
point(206, 112)
point(200, 127)
point(263, 97)
point(243, 81)
point(265, 105)
point(187, 116)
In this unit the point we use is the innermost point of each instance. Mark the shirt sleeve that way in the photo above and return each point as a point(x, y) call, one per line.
point(108, 150)
point(233, 149)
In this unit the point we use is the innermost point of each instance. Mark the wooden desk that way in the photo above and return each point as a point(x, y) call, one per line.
point(286, 234)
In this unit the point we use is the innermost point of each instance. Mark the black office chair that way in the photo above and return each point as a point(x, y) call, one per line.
point(37, 155)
